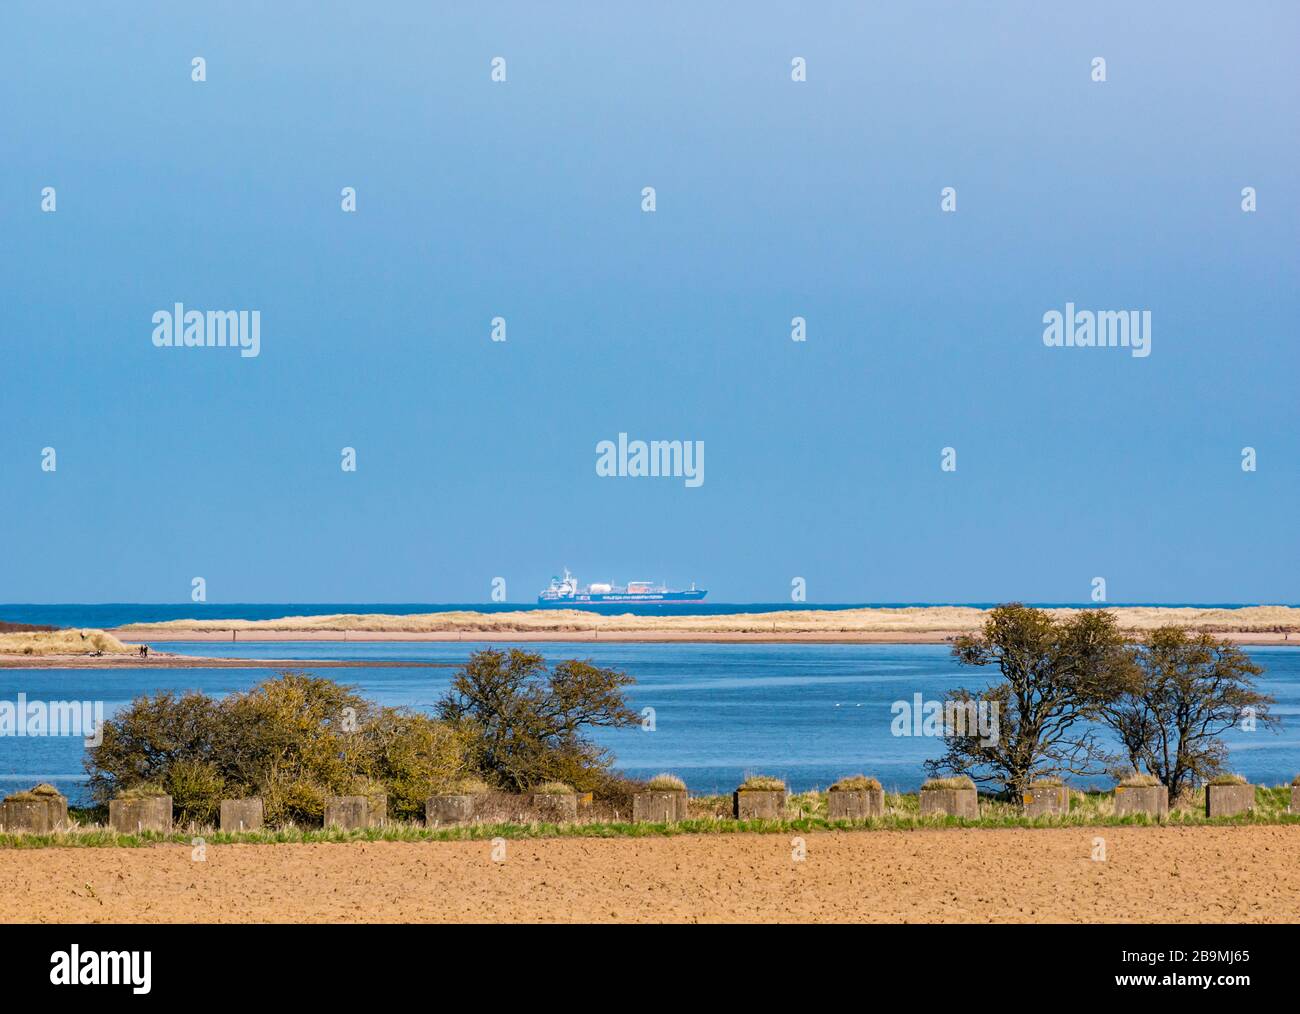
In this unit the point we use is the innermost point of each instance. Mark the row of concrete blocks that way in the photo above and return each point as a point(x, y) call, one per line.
point(128, 816)
point(1220, 801)
point(348, 813)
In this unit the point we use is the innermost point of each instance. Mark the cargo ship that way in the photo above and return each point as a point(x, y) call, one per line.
point(564, 591)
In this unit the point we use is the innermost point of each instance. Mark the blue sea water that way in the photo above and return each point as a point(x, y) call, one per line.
point(807, 712)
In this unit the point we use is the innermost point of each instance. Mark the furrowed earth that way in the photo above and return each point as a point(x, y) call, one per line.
point(1149, 874)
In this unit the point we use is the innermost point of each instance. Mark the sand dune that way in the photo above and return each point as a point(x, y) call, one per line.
point(60, 642)
point(1262, 624)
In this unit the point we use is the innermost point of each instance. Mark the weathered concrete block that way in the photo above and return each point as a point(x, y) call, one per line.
point(353, 813)
point(58, 812)
point(855, 804)
point(1045, 800)
point(147, 813)
point(25, 816)
point(451, 808)
point(951, 802)
point(1150, 799)
point(555, 807)
point(40, 815)
point(759, 804)
point(659, 807)
point(1295, 798)
point(1226, 800)
point(241, 814)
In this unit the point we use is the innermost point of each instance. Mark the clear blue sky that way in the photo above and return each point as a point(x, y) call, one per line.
point(775, 199)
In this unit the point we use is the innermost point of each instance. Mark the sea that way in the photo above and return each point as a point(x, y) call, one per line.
point(711, 713)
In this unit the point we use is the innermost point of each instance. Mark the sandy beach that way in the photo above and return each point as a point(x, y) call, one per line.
point(915, 625)
point(163, 660)
point(1150, 874)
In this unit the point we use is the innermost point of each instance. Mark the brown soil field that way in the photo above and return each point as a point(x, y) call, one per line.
point(1150, 875)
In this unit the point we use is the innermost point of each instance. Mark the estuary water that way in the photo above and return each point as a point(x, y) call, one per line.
point(809, 713)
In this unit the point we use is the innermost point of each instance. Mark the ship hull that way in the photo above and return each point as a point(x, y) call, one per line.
point(603, 598)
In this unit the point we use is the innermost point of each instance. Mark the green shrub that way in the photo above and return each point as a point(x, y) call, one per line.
point(300, 802)
point(293, 740)
point(196, 788)
point(143, 741)
point(526, 723)
point(412, 756)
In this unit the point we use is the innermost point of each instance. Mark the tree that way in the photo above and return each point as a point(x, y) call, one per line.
point(1184, 692)
point(526, 725)
point(1056, 677)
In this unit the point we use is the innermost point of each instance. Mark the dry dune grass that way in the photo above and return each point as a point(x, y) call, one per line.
point(912, 620)
point(61, 642)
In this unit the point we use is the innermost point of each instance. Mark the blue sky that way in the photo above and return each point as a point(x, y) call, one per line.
point(774, 199)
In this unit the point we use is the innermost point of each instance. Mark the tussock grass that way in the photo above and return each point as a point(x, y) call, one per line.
point(61, 642)
point(1295, 780)
point(1139, 780)
point(36, 793)
point(145, 790)
point(761, 783)
point(1227, 779)
point(468, 787)
point(856, 783)
point(553, 789)
point(959, 782)
point(665, 783)
point(1050, 782)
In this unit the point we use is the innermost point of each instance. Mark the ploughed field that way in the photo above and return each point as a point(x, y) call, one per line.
point(1148, 874)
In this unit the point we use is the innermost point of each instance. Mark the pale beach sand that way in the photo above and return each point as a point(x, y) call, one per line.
point(161, 660)
point(916, 625)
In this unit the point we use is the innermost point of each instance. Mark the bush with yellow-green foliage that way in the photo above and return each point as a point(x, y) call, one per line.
point(197, 789)
point(293, 740)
